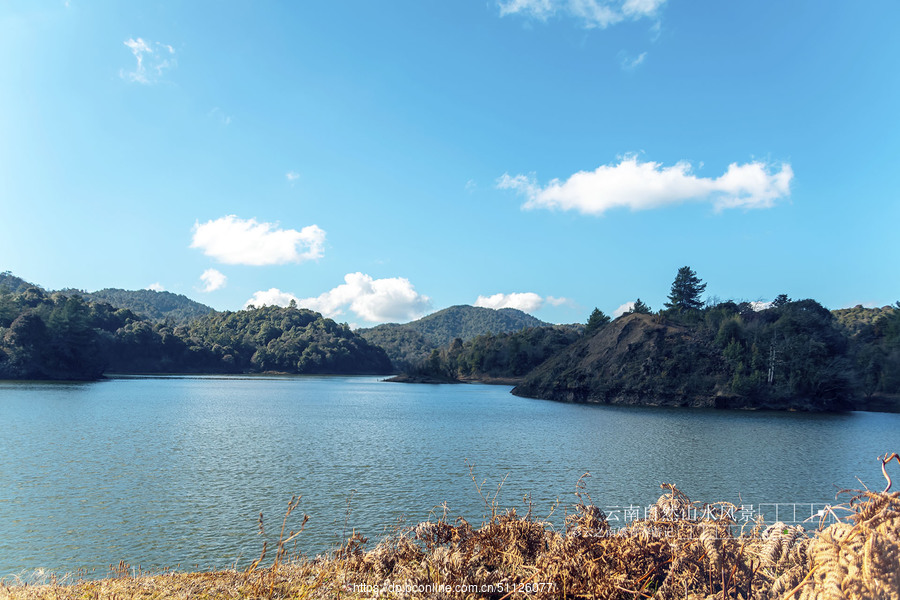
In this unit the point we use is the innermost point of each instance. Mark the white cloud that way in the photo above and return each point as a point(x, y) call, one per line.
point(220, 115)
point(760, 305)
point(212, 280)
point(554, 301)
point(271, 297)
point(641, 186)
point(236, 241)
point(629, 63)
point(596, 14)
point(292, 176)
point(374, 300)
point(538, 9)
point(592, 13)
point(623, 309)
point(524, 301)
point(152, 59)
point(156, 287)
point(642, 8)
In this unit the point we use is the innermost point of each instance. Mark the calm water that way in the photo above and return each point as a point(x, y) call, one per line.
point(169, 472)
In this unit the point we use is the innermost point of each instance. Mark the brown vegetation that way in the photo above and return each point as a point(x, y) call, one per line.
point(670, 554)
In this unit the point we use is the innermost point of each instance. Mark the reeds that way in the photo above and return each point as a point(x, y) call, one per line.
point(679, 550)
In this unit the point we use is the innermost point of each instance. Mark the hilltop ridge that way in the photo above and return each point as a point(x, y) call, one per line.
point(54, 335)
point(410, 343)
point(154, 305)
point(791, 357)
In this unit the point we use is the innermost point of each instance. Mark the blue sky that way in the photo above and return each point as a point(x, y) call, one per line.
point(380, 160)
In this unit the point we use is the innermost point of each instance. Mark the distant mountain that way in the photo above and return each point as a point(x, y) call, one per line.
point(410, 343)
point(155, 306)
point(495, 357)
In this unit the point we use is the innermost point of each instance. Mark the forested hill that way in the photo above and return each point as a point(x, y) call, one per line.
point(795, 355)
point(292, 340)
point(156, 306)
point(11, 283)
point(410, 343)
point(858, 319)
point(495, 357)
point(57, 336)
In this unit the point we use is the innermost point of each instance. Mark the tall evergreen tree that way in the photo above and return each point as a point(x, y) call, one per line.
point(686, 291)
point(780, 300)
point(640, 307)
point(597, 320)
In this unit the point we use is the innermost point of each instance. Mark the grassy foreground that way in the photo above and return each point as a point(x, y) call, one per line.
point(671, 554)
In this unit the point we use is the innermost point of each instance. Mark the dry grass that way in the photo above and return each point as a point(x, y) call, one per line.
point(672, 554)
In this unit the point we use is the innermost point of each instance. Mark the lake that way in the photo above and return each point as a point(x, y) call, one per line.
point(174, 471)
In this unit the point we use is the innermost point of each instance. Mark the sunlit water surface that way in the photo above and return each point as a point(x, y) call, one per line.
point(173, 472)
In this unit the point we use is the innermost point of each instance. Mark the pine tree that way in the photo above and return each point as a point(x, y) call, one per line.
point(686, 291)
point(781, 300)
point(640, 307)
point(596, 321)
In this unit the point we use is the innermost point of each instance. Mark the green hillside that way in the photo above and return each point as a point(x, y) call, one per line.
point(727, 356)
point(11, 283)
point(410, 343)
point(58, 336)
point(858, 318)
point(292, 340)
point(496, 356)
point(156, 306)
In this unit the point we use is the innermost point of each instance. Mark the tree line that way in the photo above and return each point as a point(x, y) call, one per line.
point(57, 336)
point(788, 348)
point(766, 353)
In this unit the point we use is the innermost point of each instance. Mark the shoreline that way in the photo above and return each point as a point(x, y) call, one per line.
point(688, 548)
point(877, 403)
